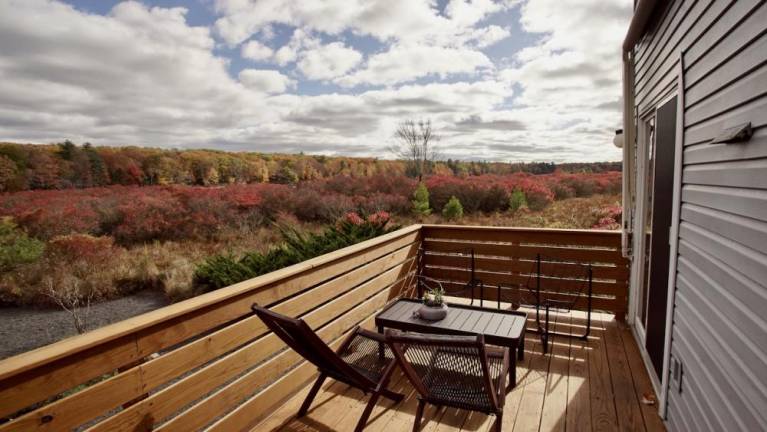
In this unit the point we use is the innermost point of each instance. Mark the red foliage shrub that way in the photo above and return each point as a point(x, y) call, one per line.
point(384, 184)
point(148, 217)
point(48, 213)
point(383, 202)
point(537, 195)
point(133, 214)
point(609, 218)
point(467, 190)
point(379, 218)
point(353, 218)
point(562, 191)
point(495, 198)
point(311, 205)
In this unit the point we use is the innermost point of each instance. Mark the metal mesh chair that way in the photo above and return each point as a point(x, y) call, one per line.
point(363, 360)
point(456, 371)
point(555, 284)
point(423, 282)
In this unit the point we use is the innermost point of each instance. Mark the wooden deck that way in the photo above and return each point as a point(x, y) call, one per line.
point(208, 363)
point(579, 386)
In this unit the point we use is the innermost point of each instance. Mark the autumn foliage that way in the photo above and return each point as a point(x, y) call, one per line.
point(133, 214)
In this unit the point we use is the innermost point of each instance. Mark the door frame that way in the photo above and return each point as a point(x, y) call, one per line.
point(637, 272)
point(673, 236)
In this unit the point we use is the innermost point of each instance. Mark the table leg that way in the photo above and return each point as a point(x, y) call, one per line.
point(512, 367)
point(380, 345)
point(521, 347)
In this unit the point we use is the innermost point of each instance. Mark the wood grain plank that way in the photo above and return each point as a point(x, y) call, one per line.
point(39, 374)
point(256, 408)
point(471, 320)
point(335, 263)
point(602, 303)
point(528, 252)
point(642, 384)
point(602, 401)
point(95, 400)
point(514, 397)
point(553, 416)
point(630, 418)
point(576, 411)
point(170, 399)
point(523, 235)
point(406, 407)
point(534, 385)
point(514, 265)
point(578, 394)
point(492, 279)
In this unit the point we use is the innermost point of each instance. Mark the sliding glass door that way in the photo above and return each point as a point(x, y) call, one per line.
point(657, 198)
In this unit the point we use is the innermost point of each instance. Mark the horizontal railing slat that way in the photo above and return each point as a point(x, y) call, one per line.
point(522, 235)
point(499, 264)
point(230, 397)
point(490, 296)
point(101, 397)
point(65, 371)
point(507, 257)
point(23, 362)
point(510, 279)
point(602, 255)
point(169, 400)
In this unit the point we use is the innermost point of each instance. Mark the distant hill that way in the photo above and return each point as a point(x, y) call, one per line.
point(68, 165)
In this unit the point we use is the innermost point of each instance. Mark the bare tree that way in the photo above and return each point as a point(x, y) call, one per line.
point(69, 298)
point(415, 144)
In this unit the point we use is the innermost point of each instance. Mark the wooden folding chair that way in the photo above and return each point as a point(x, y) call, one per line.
point(363, 360)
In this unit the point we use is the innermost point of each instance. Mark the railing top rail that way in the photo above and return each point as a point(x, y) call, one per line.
point(521, 229)
point(47, 354)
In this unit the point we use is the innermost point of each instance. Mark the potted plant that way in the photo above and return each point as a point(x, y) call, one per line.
point(434, 307)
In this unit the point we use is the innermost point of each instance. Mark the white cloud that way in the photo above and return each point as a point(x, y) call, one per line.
point(255, 50)
point(490, 35)
point(467, 13)
point(413, 21)
point(143, 75)
point(264, 80)
point(572, 73)
point(381, 19)
point(404, 63)
point(328, 61)
point(140, 75)
point(300, 40)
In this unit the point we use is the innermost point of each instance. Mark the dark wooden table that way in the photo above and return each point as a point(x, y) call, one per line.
point(504, 328)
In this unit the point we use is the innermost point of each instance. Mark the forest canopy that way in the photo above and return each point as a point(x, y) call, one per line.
point(68, 165)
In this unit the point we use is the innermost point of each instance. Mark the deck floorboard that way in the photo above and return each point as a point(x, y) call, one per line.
point(579, 386)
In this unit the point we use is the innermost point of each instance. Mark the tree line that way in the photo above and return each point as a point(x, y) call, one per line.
point(69, 165)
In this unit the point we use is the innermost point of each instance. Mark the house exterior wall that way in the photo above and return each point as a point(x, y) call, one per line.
point(719, 329)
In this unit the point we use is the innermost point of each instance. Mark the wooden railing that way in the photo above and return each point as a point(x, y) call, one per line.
point(208, 363)
point(504, 259)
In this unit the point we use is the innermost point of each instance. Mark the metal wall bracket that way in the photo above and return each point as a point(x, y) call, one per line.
point(735, 134)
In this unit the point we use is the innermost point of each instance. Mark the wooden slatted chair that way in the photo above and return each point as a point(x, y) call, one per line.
point(363, 360)
point(455, 371)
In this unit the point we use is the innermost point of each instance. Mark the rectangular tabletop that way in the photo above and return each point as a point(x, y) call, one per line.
point(498, 326)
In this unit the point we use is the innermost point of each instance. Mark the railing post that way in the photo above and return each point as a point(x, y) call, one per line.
point(420, 264)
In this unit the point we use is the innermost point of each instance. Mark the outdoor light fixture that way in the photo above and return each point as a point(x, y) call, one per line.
point(618, 138)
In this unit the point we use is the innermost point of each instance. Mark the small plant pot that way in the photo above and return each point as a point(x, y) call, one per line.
point(432, 313)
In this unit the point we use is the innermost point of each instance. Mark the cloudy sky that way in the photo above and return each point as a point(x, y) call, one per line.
point(503, 80)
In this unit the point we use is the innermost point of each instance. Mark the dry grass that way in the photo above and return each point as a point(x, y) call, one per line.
point(572, 213)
